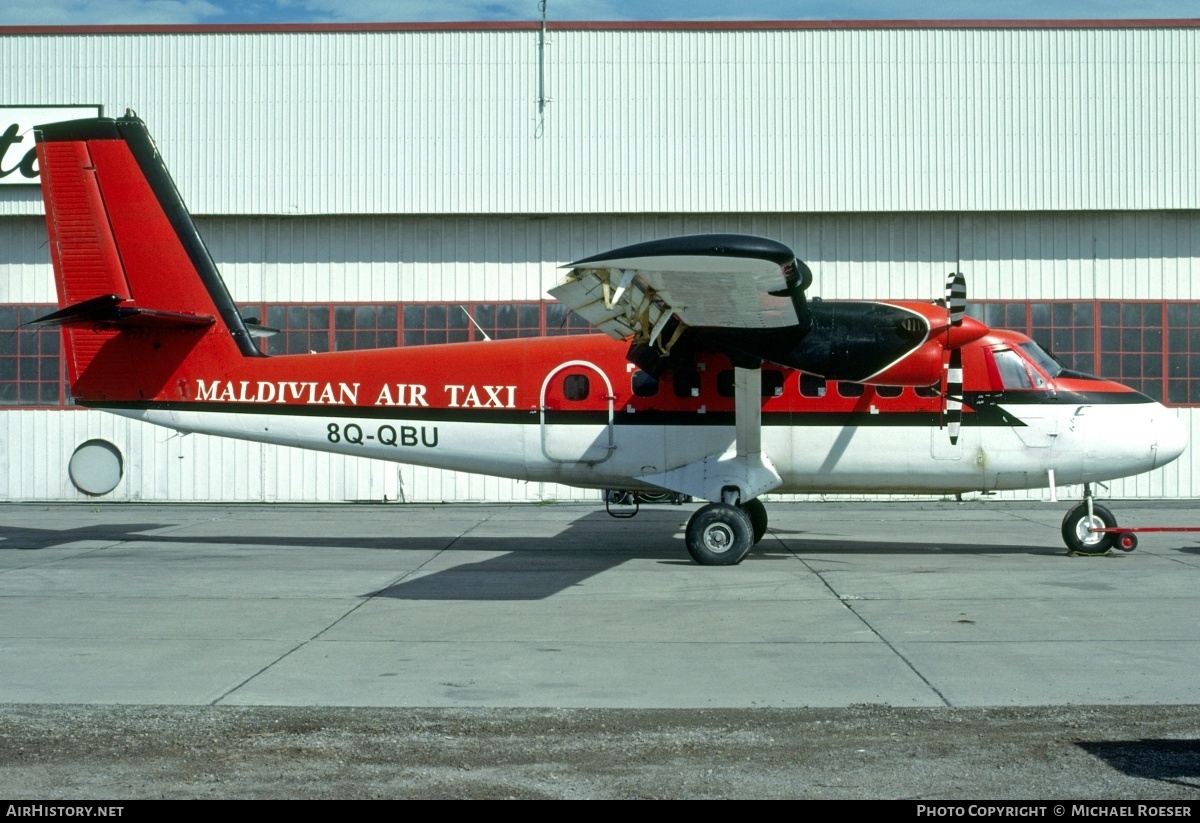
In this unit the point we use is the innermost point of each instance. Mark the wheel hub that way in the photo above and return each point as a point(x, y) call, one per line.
point(718, 538)
point(1083, 530)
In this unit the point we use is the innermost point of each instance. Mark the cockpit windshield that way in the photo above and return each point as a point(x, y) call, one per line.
point(1043, 359)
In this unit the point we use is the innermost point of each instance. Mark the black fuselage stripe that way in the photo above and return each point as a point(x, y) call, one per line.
point(986, 414)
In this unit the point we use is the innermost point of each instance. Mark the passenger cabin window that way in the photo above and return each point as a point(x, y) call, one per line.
point(686, 383)
point(725, 383)
point(888, 391)
point(812, 386)
point(644, 384)
point(850, 389)
point(926, 391)
point(772, 383)
point(576, 387)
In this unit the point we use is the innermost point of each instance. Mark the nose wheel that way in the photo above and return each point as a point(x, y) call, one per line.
point(1078, 525)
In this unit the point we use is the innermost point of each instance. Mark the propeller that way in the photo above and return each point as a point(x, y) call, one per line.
point(952, 388)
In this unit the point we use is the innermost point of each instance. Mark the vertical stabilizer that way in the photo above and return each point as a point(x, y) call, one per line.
point(139, 294)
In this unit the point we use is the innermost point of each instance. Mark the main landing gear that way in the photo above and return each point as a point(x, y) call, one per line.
point(721, 534)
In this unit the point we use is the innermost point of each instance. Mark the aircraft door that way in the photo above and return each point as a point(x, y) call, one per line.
point(942, 448)
point(576, 414)
point(1038, 426)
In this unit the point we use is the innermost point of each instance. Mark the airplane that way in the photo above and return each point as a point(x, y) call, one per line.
point(712, 375)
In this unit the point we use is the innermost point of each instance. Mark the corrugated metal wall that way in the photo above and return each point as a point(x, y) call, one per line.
point(1021, 256)
point(1006, 256)
point(648, 121)
point(1055, 163)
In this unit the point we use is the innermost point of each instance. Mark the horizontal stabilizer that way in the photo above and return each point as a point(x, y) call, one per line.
point(111, 311)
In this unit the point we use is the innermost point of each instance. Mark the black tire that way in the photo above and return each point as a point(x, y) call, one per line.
point(757, 513)
point(1075, 530)
point(719, 535)
point(1127, 541)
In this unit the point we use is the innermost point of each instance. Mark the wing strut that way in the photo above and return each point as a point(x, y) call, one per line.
point(740, 473)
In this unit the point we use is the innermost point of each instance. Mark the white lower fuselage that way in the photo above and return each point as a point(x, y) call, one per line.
point(1079, 443)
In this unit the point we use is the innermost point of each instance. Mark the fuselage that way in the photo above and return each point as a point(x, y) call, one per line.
point(576, 411)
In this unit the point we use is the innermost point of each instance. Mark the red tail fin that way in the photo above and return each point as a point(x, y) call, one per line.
point(139, 294)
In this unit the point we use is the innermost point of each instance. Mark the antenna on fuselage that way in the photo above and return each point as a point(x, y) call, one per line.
point(476, 325)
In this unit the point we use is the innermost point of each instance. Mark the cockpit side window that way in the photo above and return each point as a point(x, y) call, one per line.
point(1013, 372)
point(1043, 359)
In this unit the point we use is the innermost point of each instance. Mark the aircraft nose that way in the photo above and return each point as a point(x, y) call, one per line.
point(1171, 435)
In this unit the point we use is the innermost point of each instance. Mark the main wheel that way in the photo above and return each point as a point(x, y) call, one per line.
point(757, 513)
point(1077, 534)
point(719, 535)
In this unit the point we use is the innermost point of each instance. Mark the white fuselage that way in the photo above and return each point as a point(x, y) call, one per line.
point(1084, 443)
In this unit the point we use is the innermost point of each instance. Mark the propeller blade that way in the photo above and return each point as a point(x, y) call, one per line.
point(956, 309)
point(952, 397)
point(956, 297)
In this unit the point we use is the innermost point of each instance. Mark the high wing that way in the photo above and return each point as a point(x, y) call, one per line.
point(653, 292)
point(743, 296)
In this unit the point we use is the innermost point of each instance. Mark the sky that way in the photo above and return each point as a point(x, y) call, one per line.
point(124, 12)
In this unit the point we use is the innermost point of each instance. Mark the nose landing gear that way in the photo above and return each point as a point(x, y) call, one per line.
point(1085, 528)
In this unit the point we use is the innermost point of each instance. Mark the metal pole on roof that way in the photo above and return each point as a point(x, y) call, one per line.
point(542, 99)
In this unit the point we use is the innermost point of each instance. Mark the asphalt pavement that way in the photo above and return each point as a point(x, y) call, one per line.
point(940, 608)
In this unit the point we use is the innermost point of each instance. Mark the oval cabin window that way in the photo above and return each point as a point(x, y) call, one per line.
point(576, 387)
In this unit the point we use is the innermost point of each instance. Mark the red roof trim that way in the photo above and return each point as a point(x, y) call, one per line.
point(570, 25)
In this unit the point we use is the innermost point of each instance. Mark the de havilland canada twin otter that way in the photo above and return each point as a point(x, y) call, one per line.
point(715, 376)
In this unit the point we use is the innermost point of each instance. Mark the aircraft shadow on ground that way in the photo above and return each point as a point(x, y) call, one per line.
point(523, 568)
point(24, 538)
point(1169, 761)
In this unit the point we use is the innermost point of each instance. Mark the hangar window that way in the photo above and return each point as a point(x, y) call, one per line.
point(302, 329)
point(1183, 353)
point(435, 323)
point(305, 329)
point(1068, 330)
point(560, 320)
point(502, 321)
point(1152, 346)
point(1131, 345)
point(30, 370)
point(364, 327)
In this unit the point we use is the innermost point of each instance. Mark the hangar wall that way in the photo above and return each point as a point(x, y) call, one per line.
point(652, 119)
point(350, 165)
